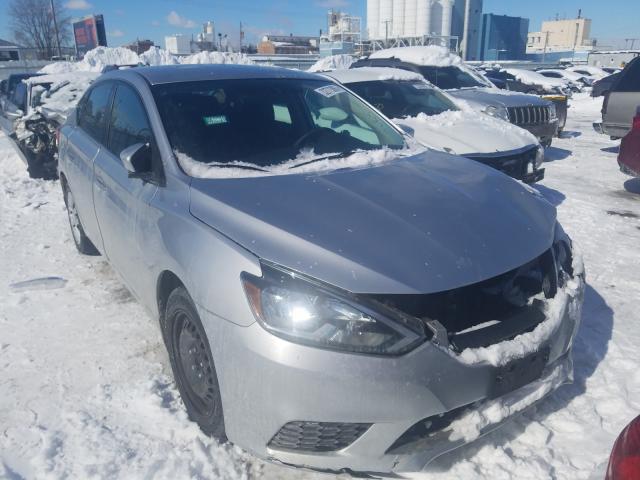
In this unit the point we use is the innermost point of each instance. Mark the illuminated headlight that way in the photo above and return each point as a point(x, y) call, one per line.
point(539, 156)
point(553, 112)
point(498, 112)
point(301, 311)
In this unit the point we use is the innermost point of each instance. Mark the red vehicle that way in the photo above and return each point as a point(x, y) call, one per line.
point(624, 463)
point(629, 156)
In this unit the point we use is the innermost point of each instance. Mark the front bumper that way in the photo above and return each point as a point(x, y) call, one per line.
point(267, 382)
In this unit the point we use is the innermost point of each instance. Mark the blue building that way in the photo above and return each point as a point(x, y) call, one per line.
point(503, 37)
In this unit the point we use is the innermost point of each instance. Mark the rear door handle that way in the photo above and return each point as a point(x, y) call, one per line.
point(101, 183)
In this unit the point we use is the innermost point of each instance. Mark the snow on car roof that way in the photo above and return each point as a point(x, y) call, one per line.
point(368, 74)
point(332, 62)
point(428, 56)
point(529, 77)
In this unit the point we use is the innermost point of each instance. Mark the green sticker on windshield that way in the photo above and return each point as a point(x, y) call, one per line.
point(215, 120)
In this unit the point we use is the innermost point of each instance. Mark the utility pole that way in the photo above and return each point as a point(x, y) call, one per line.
point(544, 51)
point(241, 35)
point(55, 27)
point(386, 33)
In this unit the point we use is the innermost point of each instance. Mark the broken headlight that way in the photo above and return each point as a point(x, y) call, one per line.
point(303, 311)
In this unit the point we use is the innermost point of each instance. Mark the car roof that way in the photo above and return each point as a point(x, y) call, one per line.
point(369, 74)
point(194, 73)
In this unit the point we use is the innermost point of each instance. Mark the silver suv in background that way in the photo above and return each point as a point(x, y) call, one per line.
point(447, 71)
point(621, 102)
point(325, 291)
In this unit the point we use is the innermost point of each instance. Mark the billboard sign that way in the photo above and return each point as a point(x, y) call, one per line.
point(89, 34)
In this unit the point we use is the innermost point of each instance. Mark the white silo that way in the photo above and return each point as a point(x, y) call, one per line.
point(447, 9)
point(423, 17)
point(373, 18)
point(410, 17)
point(398, 18)
point(386, 17)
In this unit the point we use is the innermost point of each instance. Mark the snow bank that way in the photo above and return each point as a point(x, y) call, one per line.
point(360, 159)
point(568, 301)
point(333, 62)
point(431, 55)
point(97, 59)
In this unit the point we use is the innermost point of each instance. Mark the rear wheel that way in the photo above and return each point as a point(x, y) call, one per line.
point(83, 244)
point(192, 364)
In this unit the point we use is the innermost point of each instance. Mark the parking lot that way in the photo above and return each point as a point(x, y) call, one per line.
point(87, 390)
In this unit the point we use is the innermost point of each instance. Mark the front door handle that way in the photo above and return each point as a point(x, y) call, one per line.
point(101, 183)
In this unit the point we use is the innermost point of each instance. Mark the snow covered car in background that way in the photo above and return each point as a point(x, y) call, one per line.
point(629, 155)
point(448, 72)
point(330, 295)
point(589, 71)
point(528, 81)
point(39, 106)
point(437, 122)
point(575, 80)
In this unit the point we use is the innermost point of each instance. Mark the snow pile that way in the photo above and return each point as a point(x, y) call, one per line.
point(471, 425)
point(333, 62)
point(65, 91)
point(359, 159)
point(97, 59)
point(429, 56)
point(568, 301)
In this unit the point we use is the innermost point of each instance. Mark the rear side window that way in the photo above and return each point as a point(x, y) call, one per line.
point(92, 115)
point(19, 98)
point(129, 122)
point(629, 79)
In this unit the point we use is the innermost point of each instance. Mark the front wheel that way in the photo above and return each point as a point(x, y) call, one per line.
point(83, 244)
point(192, 364)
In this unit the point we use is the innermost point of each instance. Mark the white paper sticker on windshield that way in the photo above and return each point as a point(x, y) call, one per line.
point(420, 86)
point(329, 90)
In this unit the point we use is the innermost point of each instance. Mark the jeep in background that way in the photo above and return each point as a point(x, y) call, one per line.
point(448, 72)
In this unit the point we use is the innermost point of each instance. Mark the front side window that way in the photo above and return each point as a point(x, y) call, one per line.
point(401, 99)
point(92, 115)
point(267, 122)
point(630, 79)
point(129, 123)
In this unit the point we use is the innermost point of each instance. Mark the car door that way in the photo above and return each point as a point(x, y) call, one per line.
point(122, 202)
point(85, 142)
point(623, 101)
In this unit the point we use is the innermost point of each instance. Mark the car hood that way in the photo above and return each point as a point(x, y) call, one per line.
point(422, 224)
point(468, 132)
point(496, 97)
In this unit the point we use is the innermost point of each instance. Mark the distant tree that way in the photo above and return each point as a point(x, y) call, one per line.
point(33, 26)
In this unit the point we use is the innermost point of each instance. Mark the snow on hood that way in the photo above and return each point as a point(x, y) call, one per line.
point(467, 132)
point(431, 55)
point(360, 159)
point(422, 224)
point(333, 62)
point(95, 60)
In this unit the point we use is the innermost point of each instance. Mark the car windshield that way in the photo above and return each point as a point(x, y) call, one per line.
point(267, 122)
point(401, 99)
point(451, 77)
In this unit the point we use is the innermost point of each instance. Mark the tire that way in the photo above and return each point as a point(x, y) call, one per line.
point(192, 364)
point(82, 242)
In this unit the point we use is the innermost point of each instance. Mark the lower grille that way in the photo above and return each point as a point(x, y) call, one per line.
point(529, 115)
point(513, 165)
point(317, 436)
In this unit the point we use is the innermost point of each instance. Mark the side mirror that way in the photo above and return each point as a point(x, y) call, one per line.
point(406, 129)
point(137, 159)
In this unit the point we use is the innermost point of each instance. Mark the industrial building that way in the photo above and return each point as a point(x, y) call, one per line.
point(561, 35)
point(503, 37)
point(291, 45)
point(343, 34)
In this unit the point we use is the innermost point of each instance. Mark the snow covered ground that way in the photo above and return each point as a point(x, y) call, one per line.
point(86, 391)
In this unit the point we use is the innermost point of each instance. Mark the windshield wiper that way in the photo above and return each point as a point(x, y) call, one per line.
point(325, 157)
point(232, 165)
